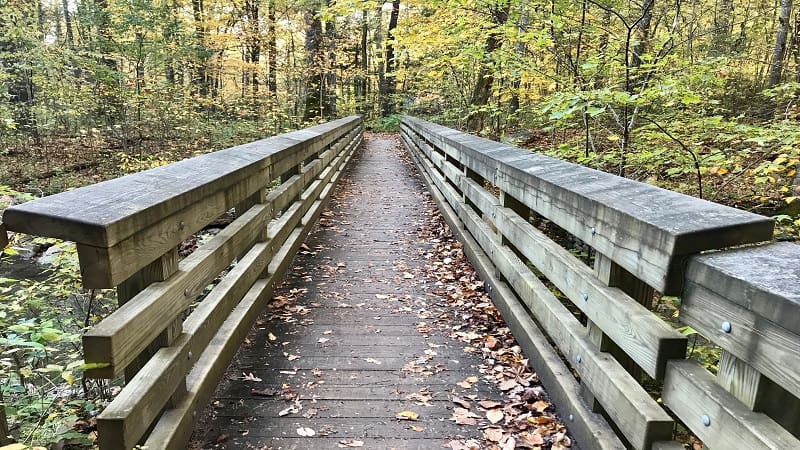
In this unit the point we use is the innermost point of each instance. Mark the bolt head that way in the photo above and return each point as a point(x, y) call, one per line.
point(189, 356)
point(585, 297)
point(579, 359)
point(571, 418)
point(706, 420)
point(593, 231)
point(726, 327)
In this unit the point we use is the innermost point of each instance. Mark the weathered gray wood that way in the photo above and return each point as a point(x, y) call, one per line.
point(647, 230)
point(173, 429)
point(759, 342)
point(642, 335)
point(762, 279)
point(589, 429)
point(159, 270)
point(125, 333)
point(667, 445)
point(741, 380)
point(104, 214)
point(692, 393)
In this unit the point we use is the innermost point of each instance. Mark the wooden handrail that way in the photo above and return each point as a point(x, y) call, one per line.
point(127, 232)
point(745, 299)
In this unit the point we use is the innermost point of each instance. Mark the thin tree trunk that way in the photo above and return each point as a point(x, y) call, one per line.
point(68, 23)
point(330, 70)
point(272, 49)
point(483, 85)
point(314, 97)
point(389, 86)
point(776, 67)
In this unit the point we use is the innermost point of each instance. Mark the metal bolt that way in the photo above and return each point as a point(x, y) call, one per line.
point(571, 418)
point(579, 359)
point(186, 292)
point(194, 413)
point(726, 327)
point(181, 225)
point(593, 231)
point(489, 287)
point(189, 356)
point(585, 297)
point(706, 420)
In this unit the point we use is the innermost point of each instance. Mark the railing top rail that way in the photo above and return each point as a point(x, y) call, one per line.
point(760, 279)
point(106, 213)
point(645, 229)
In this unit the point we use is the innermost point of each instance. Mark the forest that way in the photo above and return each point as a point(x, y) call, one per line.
point(697, 96)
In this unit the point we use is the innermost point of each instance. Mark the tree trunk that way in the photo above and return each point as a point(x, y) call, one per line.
point(521, 49)
point(642, 33)
point(68, 23)
point(314, 97)
point(200, 79)
point(390, 86)
point(330, 70)
point(776, 67)
point(272, 48)
point(483, 85)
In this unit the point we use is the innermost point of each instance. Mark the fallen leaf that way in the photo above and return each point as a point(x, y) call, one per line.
point(494, 415)
point(489, 404)
point(493, 434)
point(461, 402)
point(530, 439)
point(263, 392)
point(540, 405)
point(372, 360)
point(417, 428)
point(250, 377)
point(507, 385)
point(306, 432)
point(407, 415)
point(350, 444)
point(381, 296)
point(322, 340)
point(272, 337)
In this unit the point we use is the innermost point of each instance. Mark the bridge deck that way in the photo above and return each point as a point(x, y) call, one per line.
point(357, 334)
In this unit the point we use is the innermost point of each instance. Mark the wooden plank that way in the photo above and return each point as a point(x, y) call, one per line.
point(693, 395)
point(129, 416)
point(125, 421)
point(639, 417)
point(124, 334)
point(174, 428)
point(760, 343)
point(106, 213)
point(589, 429)
point(639, 333)
point(647, 230)
point(762, 279)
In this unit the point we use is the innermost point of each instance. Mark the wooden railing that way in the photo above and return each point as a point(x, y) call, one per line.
point(127, 233)
point(594, 356)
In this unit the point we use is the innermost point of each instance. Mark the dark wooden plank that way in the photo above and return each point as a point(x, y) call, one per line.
point(647, 230)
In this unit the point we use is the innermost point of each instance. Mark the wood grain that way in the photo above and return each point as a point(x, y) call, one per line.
point(647, 230)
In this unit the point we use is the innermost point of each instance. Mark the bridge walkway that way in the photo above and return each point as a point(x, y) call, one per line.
point(360, 333)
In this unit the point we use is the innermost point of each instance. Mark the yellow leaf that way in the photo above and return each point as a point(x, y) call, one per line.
point(68, 377)
point(791, 173)
point(407, 415)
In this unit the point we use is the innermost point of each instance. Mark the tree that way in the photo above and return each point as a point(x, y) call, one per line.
point(779, 51)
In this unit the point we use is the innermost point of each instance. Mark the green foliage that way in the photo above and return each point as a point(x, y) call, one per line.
point(384, 124)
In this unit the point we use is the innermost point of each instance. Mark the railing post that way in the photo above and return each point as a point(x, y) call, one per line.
point(158, 270)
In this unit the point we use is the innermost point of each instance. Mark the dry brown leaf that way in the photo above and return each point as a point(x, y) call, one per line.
point(350, 443)
point(489, 404)
point(461, 402)
point(530, 439)
point(540, 405)
point(507, 385)
point(494, 415)
point(493, 434)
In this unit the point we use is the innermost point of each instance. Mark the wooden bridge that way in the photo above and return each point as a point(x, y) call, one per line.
point(340, 349)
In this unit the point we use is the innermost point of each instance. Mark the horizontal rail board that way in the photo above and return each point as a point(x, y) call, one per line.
point(589, 428)
point(174, 428)
point(761, 279)
point(646, 230)
point(104, 214)
point(691, 392)
point(639, 417)
point(644, 336)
